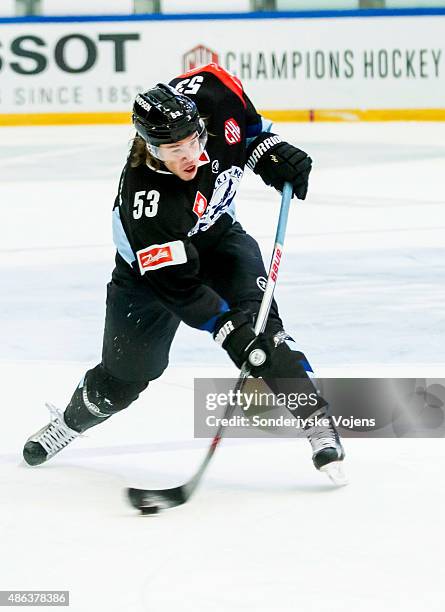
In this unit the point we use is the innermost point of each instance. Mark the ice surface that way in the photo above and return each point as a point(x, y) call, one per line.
point(362, 291)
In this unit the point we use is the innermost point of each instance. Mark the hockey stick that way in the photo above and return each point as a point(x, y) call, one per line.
point(150, 501)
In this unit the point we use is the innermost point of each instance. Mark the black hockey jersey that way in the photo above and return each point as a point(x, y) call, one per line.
point(162, 225)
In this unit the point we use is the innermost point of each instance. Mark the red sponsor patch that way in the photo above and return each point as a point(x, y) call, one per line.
point(232, 131)
point(200, 205)
point(150, 258)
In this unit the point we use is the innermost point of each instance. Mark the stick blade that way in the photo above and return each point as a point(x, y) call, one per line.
point(164, 498)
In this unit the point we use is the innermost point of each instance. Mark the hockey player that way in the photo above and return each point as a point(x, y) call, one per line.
point(182, 256)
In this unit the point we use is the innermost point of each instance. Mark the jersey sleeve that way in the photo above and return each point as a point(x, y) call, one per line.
point(255, 123)
point(166, 258)
point(192, 84)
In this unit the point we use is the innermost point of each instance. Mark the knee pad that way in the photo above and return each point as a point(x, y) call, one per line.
point(97, 397)
point(108, 393)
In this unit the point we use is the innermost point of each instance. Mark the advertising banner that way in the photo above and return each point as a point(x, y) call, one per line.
point(287, 66)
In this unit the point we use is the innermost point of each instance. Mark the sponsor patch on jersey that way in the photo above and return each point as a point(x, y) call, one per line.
point(200, 204)
point(232, 131)
point(160, 255)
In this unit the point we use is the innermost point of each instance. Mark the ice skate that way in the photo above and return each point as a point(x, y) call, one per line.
point(49, 440)
point(328, 453)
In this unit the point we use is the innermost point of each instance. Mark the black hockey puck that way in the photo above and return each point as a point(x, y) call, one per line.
point(149, 510)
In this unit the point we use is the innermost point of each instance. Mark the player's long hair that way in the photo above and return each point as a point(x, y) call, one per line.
point(139, 154)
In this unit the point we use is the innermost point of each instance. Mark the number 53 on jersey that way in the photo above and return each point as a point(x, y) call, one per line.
point(146, 203)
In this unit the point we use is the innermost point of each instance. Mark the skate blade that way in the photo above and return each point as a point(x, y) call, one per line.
point(336, 473)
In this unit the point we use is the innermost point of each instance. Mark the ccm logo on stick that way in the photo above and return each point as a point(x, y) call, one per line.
point(160, 255)
point(276, 264)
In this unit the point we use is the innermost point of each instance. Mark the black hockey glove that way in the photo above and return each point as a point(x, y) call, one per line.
point(235, 334)
point(277, 162)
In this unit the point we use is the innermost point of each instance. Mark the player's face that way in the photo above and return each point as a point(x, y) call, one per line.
point(182, 157)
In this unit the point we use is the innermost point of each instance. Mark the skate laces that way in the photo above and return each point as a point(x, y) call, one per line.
point(56, 435)
point(322, 436)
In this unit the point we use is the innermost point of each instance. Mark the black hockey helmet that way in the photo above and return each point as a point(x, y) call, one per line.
point(162, 115)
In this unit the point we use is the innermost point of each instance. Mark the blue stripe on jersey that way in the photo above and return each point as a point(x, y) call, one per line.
point(120, 239)
point(255, 130)
point(211, 323)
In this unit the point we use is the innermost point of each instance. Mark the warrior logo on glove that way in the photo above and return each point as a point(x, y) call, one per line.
point(278, 162)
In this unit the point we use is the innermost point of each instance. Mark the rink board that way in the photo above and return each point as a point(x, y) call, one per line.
point(327, 66)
